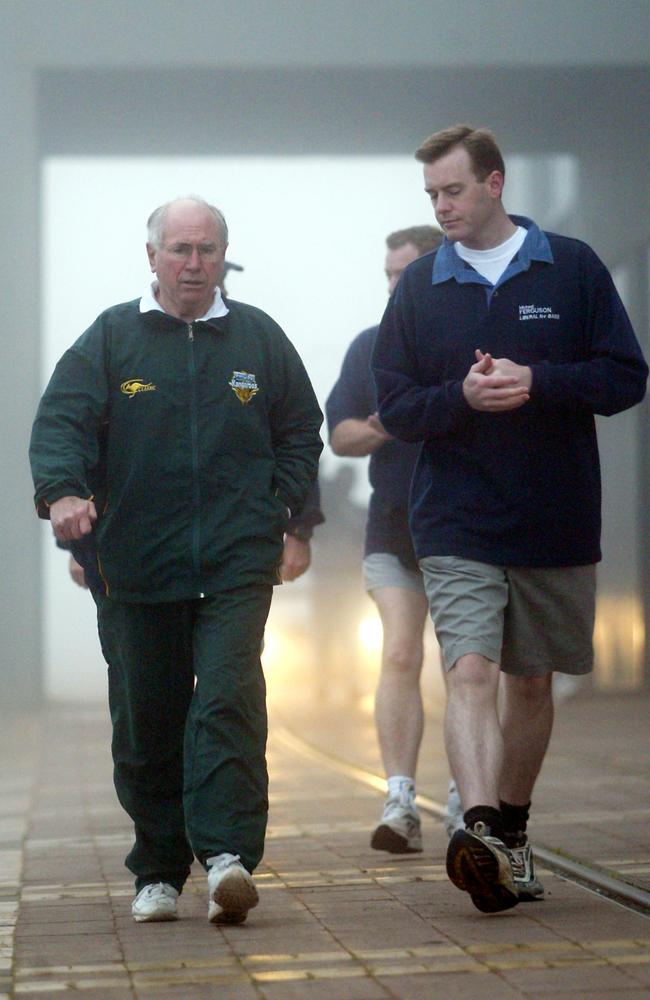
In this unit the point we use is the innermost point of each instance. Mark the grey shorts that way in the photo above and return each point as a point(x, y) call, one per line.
point(532, 621)
point(381, 569)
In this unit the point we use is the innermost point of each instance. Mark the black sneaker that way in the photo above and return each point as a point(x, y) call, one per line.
point(528, 885)
point(481, 865)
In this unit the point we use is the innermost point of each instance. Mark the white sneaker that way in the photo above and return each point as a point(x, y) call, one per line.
point(157, 901)
point(528, 885)
point(453, 818)
point(399, 830)
point(231, 890)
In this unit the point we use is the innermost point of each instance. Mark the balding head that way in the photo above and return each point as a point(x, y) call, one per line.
point(156, 221)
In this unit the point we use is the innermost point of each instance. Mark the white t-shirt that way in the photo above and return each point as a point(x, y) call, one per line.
point(493, 262)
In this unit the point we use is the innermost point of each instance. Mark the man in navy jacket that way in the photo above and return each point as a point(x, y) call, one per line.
point(495, 352)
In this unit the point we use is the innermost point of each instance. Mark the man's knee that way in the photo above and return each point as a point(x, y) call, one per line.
point(473, 672)
point(533, 692)
point(402, 660)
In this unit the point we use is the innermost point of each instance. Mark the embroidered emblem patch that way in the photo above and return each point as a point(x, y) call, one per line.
point(244, 386)
point(134, 385)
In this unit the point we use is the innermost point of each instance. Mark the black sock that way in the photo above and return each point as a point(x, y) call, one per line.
point(515, 820)
point(488, 815)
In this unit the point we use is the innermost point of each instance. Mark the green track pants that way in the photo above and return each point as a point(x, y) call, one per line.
point(189, 759)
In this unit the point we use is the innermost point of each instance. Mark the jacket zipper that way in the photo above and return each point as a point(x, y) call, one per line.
point(194, 432)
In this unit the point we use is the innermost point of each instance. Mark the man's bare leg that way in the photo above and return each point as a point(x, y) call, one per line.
point(477, 860)
point(472, 732)
point(526, 720)
point(399, 713)
point(526, 723)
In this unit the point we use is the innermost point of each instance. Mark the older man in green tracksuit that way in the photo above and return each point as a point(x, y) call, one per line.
point(211, 432)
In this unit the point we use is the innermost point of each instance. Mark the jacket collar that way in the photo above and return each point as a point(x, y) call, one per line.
point(447, 264)
point(149, 303)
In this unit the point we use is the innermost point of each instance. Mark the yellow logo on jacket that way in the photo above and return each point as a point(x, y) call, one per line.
point(244, 386)
point(134, 385)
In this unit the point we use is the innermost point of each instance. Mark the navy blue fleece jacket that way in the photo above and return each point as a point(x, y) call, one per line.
point(519, 488)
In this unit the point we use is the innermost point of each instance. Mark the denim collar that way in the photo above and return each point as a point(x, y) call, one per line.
point(447, 264)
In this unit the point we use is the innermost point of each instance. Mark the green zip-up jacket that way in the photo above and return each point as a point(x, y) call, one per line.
point(212, 432)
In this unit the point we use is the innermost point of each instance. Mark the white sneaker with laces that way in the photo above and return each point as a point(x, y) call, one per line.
point(399, 830)
point(231, 890)
point(453, 818)
point(528, 885)
point(156, 901)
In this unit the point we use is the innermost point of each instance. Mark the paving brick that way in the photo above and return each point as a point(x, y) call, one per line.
point(456, 985)
point(104, 992)
point(600, 979)
point(621, 994)
point(342, 989)
point(239, 991)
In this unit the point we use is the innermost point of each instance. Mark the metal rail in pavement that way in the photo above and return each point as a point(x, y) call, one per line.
point(584, 874)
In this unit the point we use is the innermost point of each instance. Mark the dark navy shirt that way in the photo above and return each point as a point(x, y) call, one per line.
point(391, 465)
point(522, 487)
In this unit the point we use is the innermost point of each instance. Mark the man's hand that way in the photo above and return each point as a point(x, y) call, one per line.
point(495, 385)
point(376, 424)
point(296, 558)
point(77, 573)
point(72, 518)
point(503, 366)
point(355, 438)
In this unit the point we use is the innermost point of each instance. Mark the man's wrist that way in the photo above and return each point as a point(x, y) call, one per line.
point(301, 532)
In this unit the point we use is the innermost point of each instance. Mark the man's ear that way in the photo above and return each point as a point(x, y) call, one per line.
point(151, 254)
point(495, 183)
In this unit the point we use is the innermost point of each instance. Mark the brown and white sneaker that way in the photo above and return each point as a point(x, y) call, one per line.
point(481, 865)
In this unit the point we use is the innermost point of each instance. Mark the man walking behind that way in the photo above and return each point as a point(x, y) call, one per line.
point(391, 573)
point(211, 438)
point(496, 354)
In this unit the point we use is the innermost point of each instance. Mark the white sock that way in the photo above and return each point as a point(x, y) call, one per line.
point(401, 786)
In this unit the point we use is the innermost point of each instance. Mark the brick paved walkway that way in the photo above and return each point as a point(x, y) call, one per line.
point(336, 921)
point(592, 799)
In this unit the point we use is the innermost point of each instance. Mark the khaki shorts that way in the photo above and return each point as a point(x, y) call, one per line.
point(532, 621)
point(383, 569)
